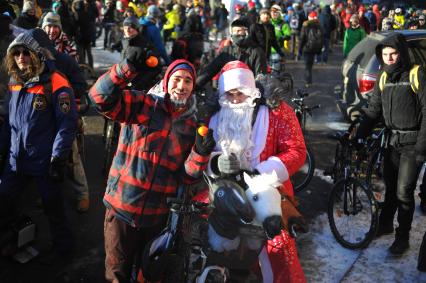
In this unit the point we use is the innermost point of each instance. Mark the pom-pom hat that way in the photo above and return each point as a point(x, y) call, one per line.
point(236, 75)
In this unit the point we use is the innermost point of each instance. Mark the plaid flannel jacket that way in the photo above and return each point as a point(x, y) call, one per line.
point(155, 152)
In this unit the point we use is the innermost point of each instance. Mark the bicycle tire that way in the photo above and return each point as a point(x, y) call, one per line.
point(303, 177)
point(347, 234)
point(110, 146)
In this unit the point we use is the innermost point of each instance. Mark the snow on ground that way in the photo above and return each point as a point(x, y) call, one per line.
point(324, 260)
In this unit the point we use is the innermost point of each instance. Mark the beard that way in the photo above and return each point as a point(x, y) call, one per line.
point(235, 129)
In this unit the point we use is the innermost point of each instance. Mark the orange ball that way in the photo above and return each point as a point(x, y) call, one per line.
point(152, 61)
point(203, 130)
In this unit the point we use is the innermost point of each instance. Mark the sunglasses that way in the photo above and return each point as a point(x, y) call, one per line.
point(21, 51)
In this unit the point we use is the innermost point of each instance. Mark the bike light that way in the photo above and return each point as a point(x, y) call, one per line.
point(366, 83)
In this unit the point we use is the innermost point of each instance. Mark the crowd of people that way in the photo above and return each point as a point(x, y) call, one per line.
point(161, 148)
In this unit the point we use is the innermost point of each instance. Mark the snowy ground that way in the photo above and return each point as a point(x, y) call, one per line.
point(324, 260)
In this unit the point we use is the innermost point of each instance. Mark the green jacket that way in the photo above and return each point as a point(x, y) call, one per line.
point(282, 31)
point(352, 37)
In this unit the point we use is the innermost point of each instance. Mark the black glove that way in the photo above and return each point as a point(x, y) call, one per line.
point(204, 145)
point(57, 169)
point(137, 56)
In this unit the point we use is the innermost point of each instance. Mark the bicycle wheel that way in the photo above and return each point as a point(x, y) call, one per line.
point(301, 178)
point(352, 213)
point(374, 175)
point(111, 139)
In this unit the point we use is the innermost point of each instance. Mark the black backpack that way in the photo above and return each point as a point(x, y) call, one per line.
point(315, 40)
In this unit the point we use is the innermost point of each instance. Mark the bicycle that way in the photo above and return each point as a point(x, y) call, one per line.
point(352, 209)
point(304, 176)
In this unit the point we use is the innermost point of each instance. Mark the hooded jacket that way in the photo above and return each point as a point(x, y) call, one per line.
point(247, 52)
point(401, 108)
point(42, 122)
point(155, 152)
point(151, 31)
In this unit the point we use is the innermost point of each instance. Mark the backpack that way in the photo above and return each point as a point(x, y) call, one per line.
point(294, 21)
point(414, 79)
point(315, 40)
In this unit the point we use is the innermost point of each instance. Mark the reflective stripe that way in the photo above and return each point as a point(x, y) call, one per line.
point(414, 78)
point(59, 81)
point(382, 81)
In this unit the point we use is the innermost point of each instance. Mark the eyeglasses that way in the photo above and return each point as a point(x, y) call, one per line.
point(18, 52)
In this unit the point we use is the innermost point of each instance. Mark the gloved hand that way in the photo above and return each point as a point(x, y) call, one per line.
point(228, 164)
point(137, 56)
point(204, 145)
point(57, 169)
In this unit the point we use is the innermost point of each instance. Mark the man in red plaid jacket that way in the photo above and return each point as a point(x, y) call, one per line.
point(159, 149)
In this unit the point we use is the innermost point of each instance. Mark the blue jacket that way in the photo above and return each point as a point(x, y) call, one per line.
point(151, 31)
point(41, 126)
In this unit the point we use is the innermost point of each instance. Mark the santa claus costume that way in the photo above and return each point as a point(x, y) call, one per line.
point(272, 142)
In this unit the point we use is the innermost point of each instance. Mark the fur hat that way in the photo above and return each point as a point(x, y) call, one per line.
point(51, 19)
point(236, 74)
point(28, 5)
point(132, 22)
point(26, 40)
point(152, 12)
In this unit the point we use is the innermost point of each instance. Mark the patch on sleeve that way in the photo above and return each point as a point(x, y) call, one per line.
point(64, 103)
point(40, 102)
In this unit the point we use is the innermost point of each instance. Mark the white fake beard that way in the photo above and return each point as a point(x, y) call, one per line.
point(235, 129)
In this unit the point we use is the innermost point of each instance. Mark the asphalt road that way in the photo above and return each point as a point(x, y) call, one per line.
point(87, 264)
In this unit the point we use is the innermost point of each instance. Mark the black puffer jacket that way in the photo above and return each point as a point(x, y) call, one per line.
point(401, 108)
point(264, 35)
point(248, 52)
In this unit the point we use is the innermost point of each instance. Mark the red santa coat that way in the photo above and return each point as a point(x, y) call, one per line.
point(285, 141)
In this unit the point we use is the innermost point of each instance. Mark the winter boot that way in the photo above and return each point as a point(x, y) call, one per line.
point(401, 243)
point(421, 263)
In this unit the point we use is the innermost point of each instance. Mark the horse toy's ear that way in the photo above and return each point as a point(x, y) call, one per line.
point(248, 179)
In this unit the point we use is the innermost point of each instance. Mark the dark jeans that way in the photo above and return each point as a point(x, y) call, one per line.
point(401, 171)
point(323, 56)
point(107, 29)
point(11, 187)
point(123, 246)
point(309, 62)
point(85, 49)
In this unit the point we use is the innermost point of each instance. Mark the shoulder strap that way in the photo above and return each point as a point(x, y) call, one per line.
point(414, 78)
point(382, 81)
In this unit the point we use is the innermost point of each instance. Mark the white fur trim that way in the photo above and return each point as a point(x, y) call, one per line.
point(265, 267)
point(236, 78)
point(275, 164)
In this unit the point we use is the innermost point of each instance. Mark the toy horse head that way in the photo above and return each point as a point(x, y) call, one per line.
point(265, 199)
point(230, 201)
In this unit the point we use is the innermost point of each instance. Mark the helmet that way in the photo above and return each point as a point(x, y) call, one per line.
point(398, 10)
point(238, 7)
point(156, 255)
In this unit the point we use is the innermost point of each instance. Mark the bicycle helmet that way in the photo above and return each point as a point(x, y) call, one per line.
point(156, 255)
point(398, 10)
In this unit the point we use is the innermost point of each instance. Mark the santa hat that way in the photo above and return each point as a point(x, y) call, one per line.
point(235, 74)
point(312, 15)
